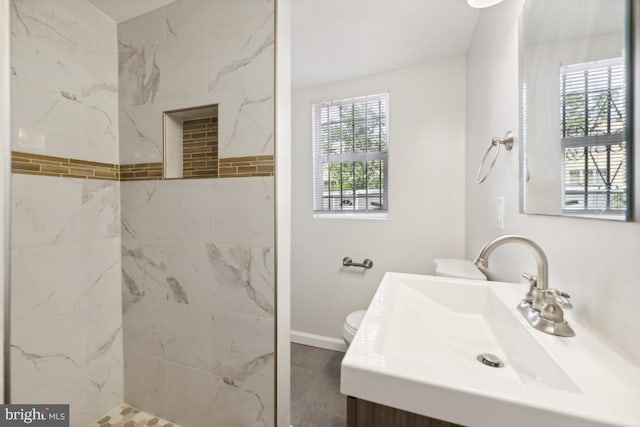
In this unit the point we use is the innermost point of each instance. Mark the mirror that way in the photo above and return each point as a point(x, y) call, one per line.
point(574, 86)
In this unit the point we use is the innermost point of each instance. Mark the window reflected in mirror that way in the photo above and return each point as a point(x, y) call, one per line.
point(593, 123)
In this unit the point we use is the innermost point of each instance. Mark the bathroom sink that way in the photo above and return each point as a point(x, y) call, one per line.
point(417, 350)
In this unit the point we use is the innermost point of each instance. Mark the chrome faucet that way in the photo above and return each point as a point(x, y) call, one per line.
point(542, 307)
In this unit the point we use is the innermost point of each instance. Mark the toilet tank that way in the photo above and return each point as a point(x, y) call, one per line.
point(460, 268)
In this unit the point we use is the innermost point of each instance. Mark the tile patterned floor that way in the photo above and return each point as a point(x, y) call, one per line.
point(127, 416)
point(315, 388)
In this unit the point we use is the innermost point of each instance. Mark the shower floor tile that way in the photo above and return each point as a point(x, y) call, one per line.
point(128, 416)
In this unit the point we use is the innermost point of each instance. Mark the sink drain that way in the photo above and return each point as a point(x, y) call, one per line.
point(490, 360)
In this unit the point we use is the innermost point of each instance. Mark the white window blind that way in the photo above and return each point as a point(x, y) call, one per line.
point(593, 131)
point(350, 150)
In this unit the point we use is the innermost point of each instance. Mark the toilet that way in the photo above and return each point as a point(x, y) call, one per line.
point(351, 325)
point(459, 268)
point(445, 267)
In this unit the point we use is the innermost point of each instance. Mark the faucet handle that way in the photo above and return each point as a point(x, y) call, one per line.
point(533, 283)
point(561, 298)
point(533, 280)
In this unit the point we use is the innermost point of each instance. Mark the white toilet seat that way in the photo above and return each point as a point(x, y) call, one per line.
point(354, 320)
point(351, 325)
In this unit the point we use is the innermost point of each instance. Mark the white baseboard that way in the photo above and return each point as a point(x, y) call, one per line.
point(320, 341)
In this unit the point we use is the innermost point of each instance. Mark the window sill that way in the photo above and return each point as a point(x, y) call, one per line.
point(380, 216)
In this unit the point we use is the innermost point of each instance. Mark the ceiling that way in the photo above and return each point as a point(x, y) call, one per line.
point(553, 20)
point(337, 40)
point(122, 10)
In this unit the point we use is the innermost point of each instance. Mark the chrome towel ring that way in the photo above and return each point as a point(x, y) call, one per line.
point(483, 172)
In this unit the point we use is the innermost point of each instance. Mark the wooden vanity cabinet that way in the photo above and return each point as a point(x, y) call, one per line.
point(362, 413)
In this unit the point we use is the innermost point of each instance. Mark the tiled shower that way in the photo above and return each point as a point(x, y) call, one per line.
point(127, 287)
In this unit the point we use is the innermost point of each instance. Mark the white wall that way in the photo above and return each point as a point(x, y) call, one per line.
point(595, 261)
point(426, 184)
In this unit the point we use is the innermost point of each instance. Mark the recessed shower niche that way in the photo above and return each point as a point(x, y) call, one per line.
point(191, 142)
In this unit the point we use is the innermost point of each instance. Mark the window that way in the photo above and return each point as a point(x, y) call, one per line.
point(593, 130)
point(350, 149)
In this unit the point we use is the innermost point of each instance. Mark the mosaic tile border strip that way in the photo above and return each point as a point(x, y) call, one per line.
point(128, 416)
point(38, 164)
point(142, 172)
point(249, 166)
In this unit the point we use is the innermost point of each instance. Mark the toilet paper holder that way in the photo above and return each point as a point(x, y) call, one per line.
point(348, 262)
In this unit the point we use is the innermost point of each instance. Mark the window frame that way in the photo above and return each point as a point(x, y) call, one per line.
point(320, 161)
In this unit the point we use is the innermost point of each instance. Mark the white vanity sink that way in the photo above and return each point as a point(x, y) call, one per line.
point(417, 350)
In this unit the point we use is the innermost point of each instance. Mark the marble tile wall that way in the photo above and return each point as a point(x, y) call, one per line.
point(188, 286)
point(64, 97)
point(198, 254)
point(66, 257)
point(198, 299)
point(66, 296)
point(192, 53)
